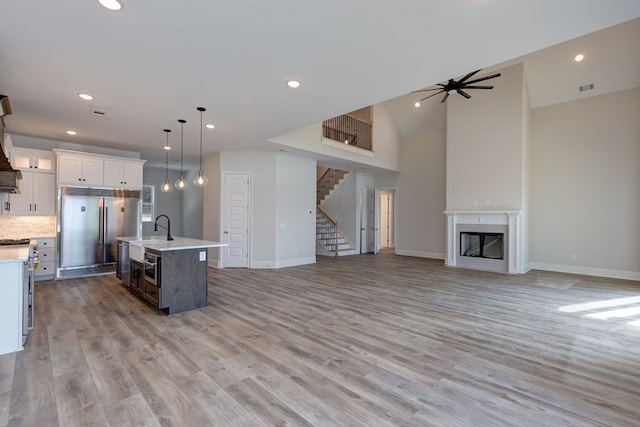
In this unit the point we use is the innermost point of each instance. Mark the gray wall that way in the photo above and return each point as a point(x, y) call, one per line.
point(183, 207)
point(585, 185)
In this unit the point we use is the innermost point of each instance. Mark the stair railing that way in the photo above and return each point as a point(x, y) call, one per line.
point(334, 226)
point(349, 130)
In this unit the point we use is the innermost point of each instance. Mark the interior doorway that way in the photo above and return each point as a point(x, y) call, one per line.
point(385, 210)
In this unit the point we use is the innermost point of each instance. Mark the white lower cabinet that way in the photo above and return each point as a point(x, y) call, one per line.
point(47, 252)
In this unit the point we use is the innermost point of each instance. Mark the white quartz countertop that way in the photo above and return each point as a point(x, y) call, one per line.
point(160, 243)
point(14, 253)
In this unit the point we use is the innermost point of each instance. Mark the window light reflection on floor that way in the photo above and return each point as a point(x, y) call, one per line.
point(608, 314)
point(574, 308)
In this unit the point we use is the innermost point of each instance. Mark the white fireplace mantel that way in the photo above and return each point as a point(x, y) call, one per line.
point(509, 218)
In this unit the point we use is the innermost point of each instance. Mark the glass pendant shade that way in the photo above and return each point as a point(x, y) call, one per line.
point(181, 183)
point(200, 180)
point(166, 185)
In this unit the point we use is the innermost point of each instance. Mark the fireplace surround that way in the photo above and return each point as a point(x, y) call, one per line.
point(489, 224)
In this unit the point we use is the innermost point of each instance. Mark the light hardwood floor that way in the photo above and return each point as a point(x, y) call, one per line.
point(354, 341)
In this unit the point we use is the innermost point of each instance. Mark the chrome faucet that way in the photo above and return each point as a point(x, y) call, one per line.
point(168, 227)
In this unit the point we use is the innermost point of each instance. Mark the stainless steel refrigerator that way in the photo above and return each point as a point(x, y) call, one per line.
point(90, 219)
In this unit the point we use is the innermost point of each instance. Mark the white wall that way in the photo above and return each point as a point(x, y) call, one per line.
point(485, 146)
point(211, 200)
point(421, 190)
point(262, 201)
point(295, 210)
point(282, 192)
point(386, 143)
point(585, 186)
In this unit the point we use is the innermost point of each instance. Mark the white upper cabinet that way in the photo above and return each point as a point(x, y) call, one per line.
point(37, 195)
point(96, 170)
point(80, 170)
point(123, 174)
point(32, 160)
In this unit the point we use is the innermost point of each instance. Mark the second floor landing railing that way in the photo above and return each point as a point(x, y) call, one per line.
point(349, 130)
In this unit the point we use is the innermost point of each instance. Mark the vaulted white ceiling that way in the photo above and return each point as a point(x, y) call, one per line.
point(155, 61)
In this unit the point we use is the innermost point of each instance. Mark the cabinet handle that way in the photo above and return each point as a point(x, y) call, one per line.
point(7, 206)
point(29, 207)
point(35, 207)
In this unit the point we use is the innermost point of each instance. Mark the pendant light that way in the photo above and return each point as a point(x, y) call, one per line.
point(200, 180)
point(181, 183)
point(166, 185)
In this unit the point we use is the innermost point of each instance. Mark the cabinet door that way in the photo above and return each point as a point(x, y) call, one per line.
point(44, 194)
point(44, 163)
point(92, 171)
point(113, 174)
point(70, 170)
point(22, 204)
point(132, 175)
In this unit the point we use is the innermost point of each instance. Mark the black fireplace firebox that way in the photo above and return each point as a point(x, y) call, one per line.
point(482, 245)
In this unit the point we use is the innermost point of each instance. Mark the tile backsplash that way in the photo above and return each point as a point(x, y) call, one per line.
point(18, 227)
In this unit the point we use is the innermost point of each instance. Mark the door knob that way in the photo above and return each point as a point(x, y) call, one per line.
point(226, 232)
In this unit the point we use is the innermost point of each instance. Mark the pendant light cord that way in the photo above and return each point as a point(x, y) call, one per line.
point(201, 109)
point(182, 122)
point(166, 157)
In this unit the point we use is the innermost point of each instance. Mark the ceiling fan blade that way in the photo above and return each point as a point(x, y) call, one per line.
point(492, 76)
point(468, 76)
point(427, 97)
point(463, 93)
point(433, 88)
point(478, 87)
point(446, 95)
point(426, 90)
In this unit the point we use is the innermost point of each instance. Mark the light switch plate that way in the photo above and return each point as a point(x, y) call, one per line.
point(203, 255)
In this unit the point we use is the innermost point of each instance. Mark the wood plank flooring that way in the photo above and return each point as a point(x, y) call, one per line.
point(355, 341)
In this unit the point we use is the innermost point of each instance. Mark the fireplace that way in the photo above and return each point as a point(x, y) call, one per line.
point(482, 245)
point(485, 240)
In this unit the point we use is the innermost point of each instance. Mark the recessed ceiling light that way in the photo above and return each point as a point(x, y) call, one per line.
point(111, 4)
point(72, 132)
point(417, 104)
point(210, 126)
point(85, 96)
point(293, 84)
point(579, 57)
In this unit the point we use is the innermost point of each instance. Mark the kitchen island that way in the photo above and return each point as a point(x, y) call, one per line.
point(13, 271)
point(169, 274)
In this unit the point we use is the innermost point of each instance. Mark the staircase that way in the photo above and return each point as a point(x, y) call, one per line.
point(329, 240)
point(327, 234)
point(328, 183)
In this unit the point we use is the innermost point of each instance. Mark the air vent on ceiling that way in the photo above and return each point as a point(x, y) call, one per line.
point(99, 113)
point(587, 87)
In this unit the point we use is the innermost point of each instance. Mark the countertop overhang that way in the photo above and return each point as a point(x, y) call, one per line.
point(159, 243)
point(14, 253)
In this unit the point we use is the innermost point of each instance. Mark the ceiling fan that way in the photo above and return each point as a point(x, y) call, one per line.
point(453, 86)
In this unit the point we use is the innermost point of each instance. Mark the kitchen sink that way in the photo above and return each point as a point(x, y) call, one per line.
point(136, 248)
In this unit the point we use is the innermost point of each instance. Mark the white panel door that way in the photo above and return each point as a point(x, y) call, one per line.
point(366, 221)
point(235, 220)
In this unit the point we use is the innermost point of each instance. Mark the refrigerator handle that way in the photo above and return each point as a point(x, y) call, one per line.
point(105, 233)
point(100, 230)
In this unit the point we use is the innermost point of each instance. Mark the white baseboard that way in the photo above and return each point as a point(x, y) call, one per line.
point(213, 263)
point(283, 263)
point(420, 254)
point(587, 271)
